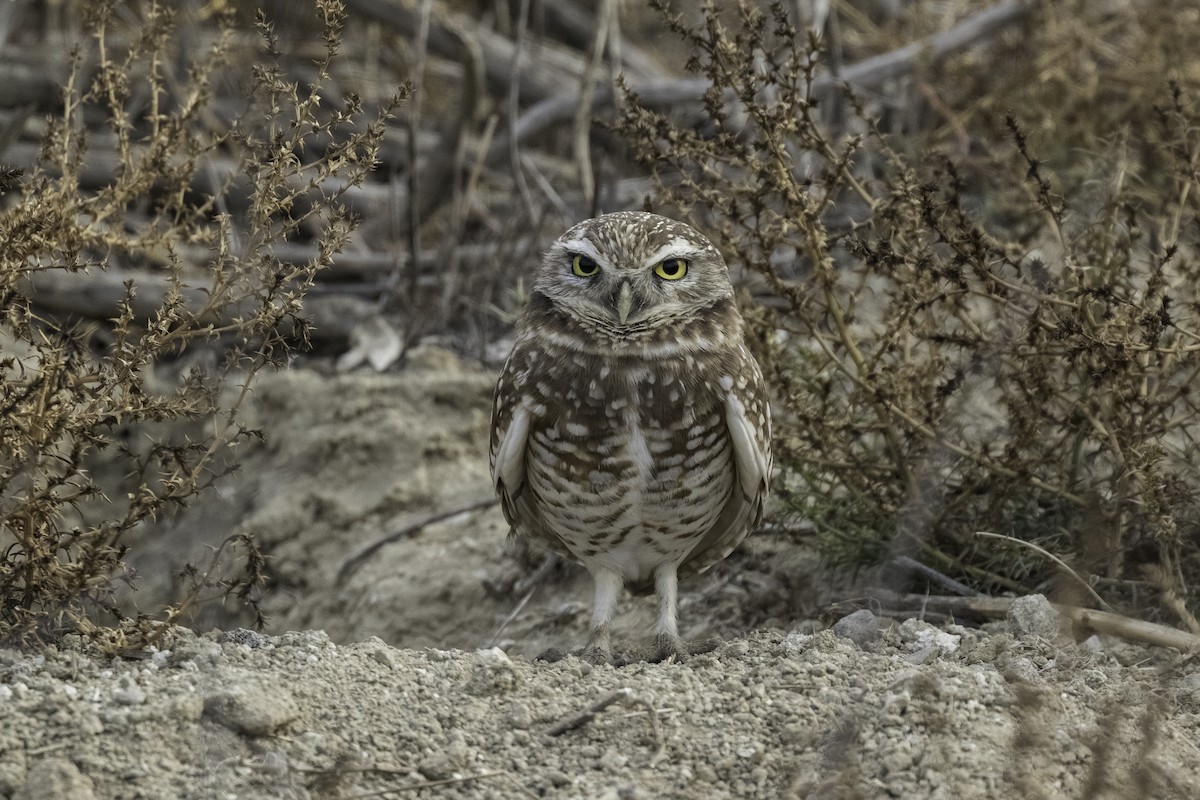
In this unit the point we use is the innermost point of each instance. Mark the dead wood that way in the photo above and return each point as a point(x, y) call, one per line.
point(1086, 620)
point(98, 296)
point(869, 73)
point(552, 71)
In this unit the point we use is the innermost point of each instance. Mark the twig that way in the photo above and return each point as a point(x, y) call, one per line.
point(529, 586)
point(430, 784)
point(1043, 551)
point(353, 563)
point(1128, 628)
point(192, 597)
point(512, 615)
point(414, 153)
point(576, 27)
point(102, 165)
point(99, 294)
point(1135, 630)
point(660, 744)
point(514, 90)
point(554, 71)
point(868, 73)
point(625, 697)
point(931, 574)
point(583, 111)
point(1166, 584)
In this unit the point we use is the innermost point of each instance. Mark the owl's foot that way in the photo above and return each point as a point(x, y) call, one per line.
point(599, 647)
point(597, 655)
point(673, 649)
point(669, 648)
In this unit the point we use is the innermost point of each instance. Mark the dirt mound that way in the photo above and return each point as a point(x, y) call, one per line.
point(923, 712)
point(353, 459)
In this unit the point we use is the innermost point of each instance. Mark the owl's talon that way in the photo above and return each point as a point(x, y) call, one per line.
point(551, 655)
point(704, 646)
point(597, 656)
point(670, 648)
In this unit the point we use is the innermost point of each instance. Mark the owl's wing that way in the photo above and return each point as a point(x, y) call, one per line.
point(508, 471)
point(512, 421)
point(748, 418)
point(510, 436)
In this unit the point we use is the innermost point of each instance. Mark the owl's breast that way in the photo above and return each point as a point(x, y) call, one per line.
point(631, 464)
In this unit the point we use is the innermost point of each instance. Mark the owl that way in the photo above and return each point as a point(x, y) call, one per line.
point(630, 429)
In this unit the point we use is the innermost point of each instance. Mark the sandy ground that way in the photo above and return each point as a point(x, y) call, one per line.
point(417, 667)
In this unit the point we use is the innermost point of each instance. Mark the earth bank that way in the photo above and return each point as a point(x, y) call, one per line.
point(414, 670)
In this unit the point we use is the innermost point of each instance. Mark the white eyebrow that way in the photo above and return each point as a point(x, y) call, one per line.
point(676, 248)
point(583, 247)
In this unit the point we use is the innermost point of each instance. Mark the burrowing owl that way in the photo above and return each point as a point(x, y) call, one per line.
point(630, 429)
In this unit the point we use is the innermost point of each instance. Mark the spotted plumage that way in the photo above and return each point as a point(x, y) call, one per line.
point(630, 429)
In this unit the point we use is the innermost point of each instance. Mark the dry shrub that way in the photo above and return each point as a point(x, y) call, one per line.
point(68, 391)
point(955, 348)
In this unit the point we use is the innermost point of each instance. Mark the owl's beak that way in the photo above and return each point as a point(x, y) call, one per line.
point(624, 302)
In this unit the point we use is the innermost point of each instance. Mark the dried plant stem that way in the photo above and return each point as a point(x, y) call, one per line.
point(1044, 552)
point(1088, 620)
point(583, 113)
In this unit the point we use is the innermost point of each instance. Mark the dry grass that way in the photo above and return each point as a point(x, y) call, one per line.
point(70, 391)
point(959, 341)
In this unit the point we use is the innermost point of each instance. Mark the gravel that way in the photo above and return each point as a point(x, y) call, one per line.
point(922, 711)
point(454, 702)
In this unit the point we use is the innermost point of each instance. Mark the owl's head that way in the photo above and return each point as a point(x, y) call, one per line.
point(625, 275)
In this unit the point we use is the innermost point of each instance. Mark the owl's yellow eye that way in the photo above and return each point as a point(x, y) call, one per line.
point(583, 266)
point(671, 269)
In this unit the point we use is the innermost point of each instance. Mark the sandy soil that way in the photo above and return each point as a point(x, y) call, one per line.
point(417, 669)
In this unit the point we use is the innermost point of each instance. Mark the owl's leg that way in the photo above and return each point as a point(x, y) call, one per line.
point(608, 590)
point(666, 631)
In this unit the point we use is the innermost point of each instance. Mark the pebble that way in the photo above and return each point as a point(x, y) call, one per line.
point(1033, 615)
point(12, 771)
point(444, 764)
point(55, 779)
point(494, 672)
point(861, 627)
point(252, 710)
point(244, 636)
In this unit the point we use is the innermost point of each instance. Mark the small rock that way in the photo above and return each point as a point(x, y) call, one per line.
point(520, 717)
point(921, 636)
point(378, 651)
point(307, 640)
point(613, 760)
point(558, 779)
point(12, 771)
point(795, 643)
point(924, 655)
point(494, 672)
point(55, 779)
point(443, 765)
point(1033, 615)
point(201, 652)
point(244, 636)
point(861, 627)
point(188, 708)
point(129, 693)
point(252, 710)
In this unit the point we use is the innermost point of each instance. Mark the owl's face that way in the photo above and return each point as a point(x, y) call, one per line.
point(626, 274)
